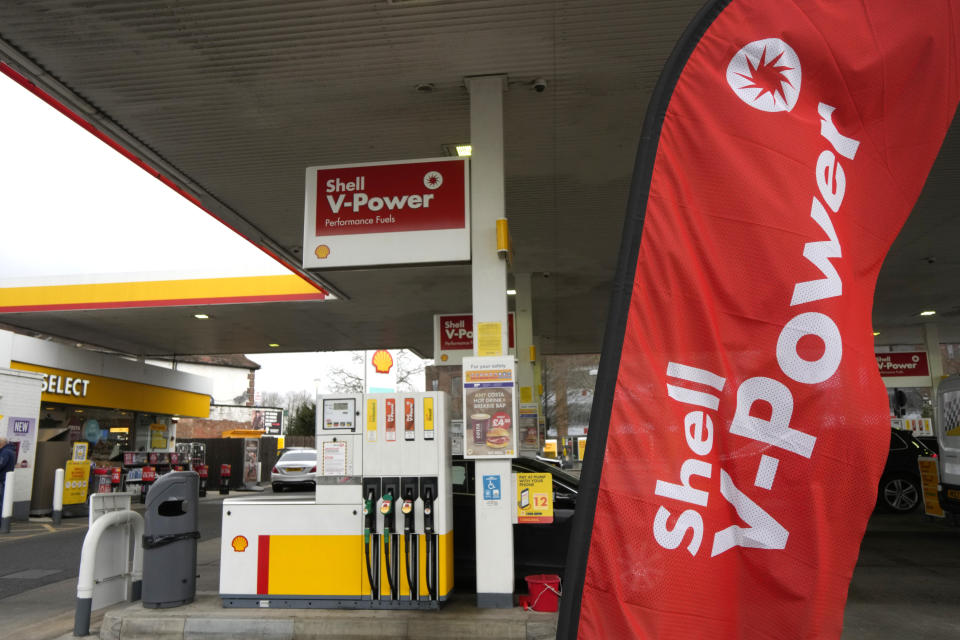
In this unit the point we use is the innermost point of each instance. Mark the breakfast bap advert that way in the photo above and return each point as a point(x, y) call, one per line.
point(489, 419)
point(490, 424)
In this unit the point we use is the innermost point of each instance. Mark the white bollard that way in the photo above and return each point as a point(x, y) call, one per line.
point(259, 465)
point(58, 497)
point(7, 513)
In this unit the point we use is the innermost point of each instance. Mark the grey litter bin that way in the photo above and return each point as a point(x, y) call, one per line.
point(170, 541)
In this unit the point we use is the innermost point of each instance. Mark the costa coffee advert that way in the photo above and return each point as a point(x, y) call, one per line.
point(489, 415)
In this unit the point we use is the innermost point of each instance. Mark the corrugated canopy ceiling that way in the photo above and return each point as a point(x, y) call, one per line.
point(233, 99)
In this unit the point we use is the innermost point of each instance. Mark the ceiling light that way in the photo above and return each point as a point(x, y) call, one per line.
point(460, 149)
point(928, 313)
point(273, 344)
point(511, 292)
point(201, 316)
point(876, 333)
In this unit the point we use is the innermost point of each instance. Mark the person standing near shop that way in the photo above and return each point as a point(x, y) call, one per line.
point(8, 462)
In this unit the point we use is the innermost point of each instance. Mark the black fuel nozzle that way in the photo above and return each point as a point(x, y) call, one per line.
point(369, 515)
point(428, 510)
point(386, 508)
point(406, 508)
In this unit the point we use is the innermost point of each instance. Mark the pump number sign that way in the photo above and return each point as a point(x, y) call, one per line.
point(410, 211)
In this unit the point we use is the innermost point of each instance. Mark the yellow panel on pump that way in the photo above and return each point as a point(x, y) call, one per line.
point(371, 420)
point(444, 564)
point(428, 417)
point(315, 565)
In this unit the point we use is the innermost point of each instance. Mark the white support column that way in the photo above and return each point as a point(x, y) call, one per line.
point(526, 378)
point(931, 338)
point(494, 531)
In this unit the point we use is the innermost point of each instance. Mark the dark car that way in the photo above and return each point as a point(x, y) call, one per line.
point(899, 490)
point(537, 548)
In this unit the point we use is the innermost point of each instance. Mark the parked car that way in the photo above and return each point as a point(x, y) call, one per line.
point(294, 469)
point(899, 490)
point(537, 548)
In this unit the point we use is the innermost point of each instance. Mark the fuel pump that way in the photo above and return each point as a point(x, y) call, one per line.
point(378, 533)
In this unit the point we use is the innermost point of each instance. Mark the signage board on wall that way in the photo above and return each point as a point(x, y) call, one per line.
point(75, 480)
point(929, 482)
point(902, 364)
point(370, 214)
point(270, 420)
point(534, 498)
point(528, 427)
point(453, 336)
point(489, 407)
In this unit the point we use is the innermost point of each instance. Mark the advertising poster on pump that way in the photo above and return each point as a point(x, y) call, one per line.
point(409, 211)
point(489, 408)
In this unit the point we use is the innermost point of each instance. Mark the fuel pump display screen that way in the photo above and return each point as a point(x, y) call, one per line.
point(339, 413)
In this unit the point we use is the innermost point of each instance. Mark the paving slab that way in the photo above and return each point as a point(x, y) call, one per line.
point(206, 618)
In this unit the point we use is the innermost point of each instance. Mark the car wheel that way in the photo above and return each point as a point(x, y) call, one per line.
point(277, 487)
point(899, 493)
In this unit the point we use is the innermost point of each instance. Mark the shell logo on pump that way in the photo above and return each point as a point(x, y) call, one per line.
point(239, 543)
point(382, 361)
point(322, 251)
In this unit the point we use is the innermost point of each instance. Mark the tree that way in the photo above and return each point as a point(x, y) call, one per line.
point(304, 420)
point(272, 399)
point(351, 379)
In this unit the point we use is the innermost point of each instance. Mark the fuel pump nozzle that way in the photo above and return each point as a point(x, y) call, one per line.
point(428, 530)
point(370, 523)
point(386, 508)
point(410, 541)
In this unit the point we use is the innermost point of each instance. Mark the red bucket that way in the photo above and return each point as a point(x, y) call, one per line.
point(544, 592)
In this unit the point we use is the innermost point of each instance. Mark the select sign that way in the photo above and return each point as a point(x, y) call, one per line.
point(412, 211)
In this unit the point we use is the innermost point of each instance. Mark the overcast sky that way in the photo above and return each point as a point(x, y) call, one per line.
point(283, 372)
point(75, 211)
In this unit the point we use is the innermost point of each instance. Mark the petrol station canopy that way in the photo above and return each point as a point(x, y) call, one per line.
point(232, 100)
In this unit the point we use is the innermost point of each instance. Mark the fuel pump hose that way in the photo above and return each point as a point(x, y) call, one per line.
point(390, 557)
point(410, 560)
point(367, 512)
point(431, 566)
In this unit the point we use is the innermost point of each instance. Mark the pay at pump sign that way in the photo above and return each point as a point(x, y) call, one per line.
point(534, 498)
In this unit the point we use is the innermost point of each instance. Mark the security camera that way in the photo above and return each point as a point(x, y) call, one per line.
point(539, 85)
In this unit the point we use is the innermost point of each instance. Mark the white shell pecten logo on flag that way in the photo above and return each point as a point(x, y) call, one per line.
point(766, 75)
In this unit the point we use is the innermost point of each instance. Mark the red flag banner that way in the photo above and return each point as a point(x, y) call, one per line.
point(784, 148)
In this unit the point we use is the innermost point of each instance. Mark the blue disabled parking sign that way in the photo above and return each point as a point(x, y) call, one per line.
point(491, 487)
